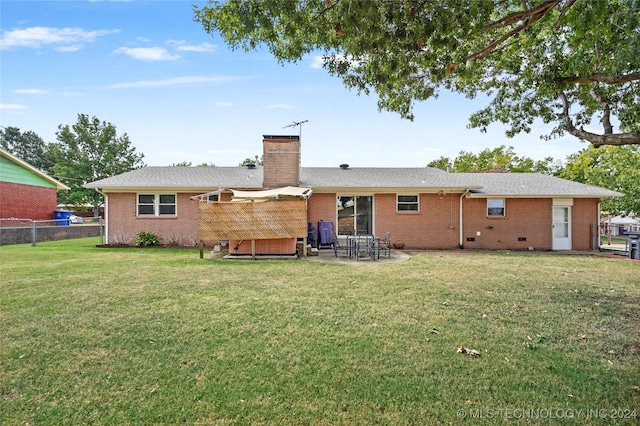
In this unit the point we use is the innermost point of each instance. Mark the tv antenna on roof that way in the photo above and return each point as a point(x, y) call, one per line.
point(297, 124)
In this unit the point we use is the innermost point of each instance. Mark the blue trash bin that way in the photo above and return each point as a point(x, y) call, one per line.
point(62, 217)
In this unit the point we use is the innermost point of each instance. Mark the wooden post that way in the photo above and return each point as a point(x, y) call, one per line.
point(201, 245)
point(253, 249)
point(304, 249)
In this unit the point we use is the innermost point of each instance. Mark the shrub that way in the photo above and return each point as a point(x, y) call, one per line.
point(147, 239)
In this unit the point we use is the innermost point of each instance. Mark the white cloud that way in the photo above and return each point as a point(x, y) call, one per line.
point(317, 62)
point(203, 47)
point(68, 48)
point(36, 37)
point(147, 53)
point(30, 91)
point(12, 106)
point(280, 106)
point(183, 46)
point(177, 81)
point(224, 104)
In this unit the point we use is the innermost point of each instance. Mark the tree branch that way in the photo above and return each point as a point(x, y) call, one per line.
point(526, 19)
point(606, 110)
point(600, 78)
point(563, 10)
point(514, 17)
point(615, 139)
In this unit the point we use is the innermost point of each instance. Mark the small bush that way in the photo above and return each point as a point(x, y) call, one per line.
point(147, 239)
point(119, 239)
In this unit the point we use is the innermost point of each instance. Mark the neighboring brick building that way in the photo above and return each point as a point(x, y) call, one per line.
point(425, 208)
point(26, 192)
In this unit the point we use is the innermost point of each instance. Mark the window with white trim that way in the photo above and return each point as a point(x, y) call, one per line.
point(408, 203)
point(495, 207)
point(157, 204)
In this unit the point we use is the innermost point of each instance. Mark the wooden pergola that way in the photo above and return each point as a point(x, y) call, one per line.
point(253, 219)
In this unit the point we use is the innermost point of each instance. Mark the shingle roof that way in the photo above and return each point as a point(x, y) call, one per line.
point(183, 178)
point(379, 177)
point(364, 179)
point(532, 184)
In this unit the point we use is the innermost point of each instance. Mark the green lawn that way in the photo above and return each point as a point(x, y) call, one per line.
point(158, 336)
point(604, 240)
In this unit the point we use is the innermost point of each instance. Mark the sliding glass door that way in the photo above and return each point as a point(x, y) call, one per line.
point(355, 215)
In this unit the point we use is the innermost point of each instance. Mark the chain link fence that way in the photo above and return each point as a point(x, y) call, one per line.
point(24, 231)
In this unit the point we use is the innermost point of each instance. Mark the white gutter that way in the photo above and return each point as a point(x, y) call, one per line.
point(461, 233)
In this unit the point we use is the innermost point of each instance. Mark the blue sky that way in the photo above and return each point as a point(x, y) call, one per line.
point(181, 95)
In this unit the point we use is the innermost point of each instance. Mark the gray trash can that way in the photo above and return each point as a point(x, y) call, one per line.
point(633, 238)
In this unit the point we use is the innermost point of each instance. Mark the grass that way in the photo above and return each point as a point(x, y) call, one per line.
point(158, 336)
point(604, 240)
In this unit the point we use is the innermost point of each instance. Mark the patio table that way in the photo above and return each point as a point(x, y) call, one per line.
point(359, 244)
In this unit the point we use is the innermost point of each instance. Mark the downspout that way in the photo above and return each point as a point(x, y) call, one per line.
point(597, 231)
point(461, 233)
point(106, 222)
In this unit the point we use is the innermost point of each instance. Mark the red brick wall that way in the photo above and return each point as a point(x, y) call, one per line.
point(123, 224)
point(529, 218)
point(437, 224)
point(281, 162)
point(322, 207)
point(584, 222)
point(427, 229)
point(27, 201)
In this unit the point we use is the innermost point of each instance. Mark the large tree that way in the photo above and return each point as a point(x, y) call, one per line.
point(27, 146)
point(569, 63)
point(497, 160)
point(88, 151)
point(612, 167)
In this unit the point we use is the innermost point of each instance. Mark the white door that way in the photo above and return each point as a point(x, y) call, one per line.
point(561, 228)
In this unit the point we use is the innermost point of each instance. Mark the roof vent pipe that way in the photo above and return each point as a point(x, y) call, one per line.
point(344, 166)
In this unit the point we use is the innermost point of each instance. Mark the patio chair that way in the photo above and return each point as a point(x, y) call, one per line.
point(340, 247)
point(384, 245)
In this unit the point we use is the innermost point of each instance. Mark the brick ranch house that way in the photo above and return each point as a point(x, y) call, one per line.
point(26, 192)
point(425, 208)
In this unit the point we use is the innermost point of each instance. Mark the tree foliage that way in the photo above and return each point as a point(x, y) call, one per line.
point(189, 164)
point(497, 160)
point(27, 146)
point(255, 161)
point(88, 151)
point(615, 168)
point(570, 63)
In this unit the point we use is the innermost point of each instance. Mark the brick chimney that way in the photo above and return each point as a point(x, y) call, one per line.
point(281, 161)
